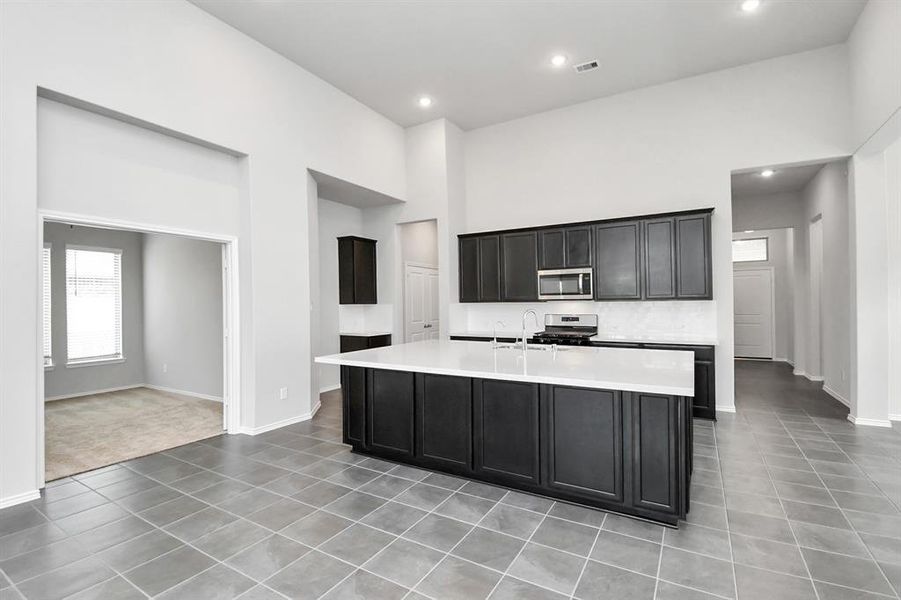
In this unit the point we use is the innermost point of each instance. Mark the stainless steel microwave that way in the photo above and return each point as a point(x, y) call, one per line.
point(565, 284)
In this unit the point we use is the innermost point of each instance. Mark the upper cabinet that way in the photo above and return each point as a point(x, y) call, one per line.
point(664, 257)
point(694, 263)
point(564, 248)
point(617, 249)
point(519, 275)
point(356, 270)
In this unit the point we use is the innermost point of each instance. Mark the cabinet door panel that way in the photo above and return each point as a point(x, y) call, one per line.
point(364, 272)
point(519, 276)
point(693, 260)
point(654, 472)
point(469, 270)
point(578, 247)
point(585, 442)
point(618, 261)
point(552, 253)
point(444, 412)
point(353, 391)
point(490, 268)
point(506, 430)
point(660, 259)
point(391, 411)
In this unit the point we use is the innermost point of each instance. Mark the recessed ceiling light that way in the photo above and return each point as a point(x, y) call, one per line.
point(424, 101)
point(749, 231)
point(750, 5)
point(558, 60)
point(767, 173)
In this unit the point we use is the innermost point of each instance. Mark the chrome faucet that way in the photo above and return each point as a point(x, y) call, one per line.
point(524, 314)
point(494, 339)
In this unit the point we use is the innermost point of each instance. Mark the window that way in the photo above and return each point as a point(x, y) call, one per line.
point(93, 304)
point(749, 250)
point(48, 346)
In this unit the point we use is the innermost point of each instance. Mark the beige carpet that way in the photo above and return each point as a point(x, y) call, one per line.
point(95, 431)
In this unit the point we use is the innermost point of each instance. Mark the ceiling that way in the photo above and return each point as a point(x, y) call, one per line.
point(787, 179)
point(485, 62)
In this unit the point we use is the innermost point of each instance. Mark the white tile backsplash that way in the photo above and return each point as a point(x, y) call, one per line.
point(666, 321)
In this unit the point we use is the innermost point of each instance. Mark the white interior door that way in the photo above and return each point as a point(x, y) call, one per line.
point(420, 303)
point(753, 313)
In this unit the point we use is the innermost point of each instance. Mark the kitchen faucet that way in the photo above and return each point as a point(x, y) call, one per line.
point(524, 314)
point(494, 339)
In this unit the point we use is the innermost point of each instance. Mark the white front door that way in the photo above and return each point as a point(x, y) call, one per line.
point(753, 313)
point(420, 303)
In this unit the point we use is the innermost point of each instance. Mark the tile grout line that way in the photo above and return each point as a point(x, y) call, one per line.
point(588, 558)
point(857, 533)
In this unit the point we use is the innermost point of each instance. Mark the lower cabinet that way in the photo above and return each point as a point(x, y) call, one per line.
point(444, 422)
point(622, 451)
point(583, 452)
point(390, 412)
point(506, 430)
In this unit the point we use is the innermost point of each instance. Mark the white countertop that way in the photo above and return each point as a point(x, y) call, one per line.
point(658, 338)
point(630, 369)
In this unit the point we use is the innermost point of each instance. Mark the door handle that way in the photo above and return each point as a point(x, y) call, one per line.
point(426, 326)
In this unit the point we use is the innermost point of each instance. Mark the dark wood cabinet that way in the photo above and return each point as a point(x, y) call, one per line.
point(617, 248)
point(444, 422)
point(352, 343)
point(623, 451)
point(564, 248)
point(390, 412)
point(660, 259)
point(519, 275)
point(356, 270)
point(583, 452)
point(506, 430)
point(353, 388)
point(655, 464)
point(694, 264)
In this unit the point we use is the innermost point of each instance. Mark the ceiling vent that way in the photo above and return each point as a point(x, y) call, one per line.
point(584, 67)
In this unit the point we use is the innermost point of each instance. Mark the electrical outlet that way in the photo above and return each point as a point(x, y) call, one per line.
point(165, 368)
point(283, 393)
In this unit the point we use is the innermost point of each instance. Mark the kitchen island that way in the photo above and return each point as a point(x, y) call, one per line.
point(604, 427)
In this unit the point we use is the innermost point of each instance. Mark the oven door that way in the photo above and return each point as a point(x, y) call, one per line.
point(565, 284)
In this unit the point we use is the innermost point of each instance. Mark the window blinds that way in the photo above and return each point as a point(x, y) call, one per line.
point(48, 347)
point(751, 250)
point(93, 304)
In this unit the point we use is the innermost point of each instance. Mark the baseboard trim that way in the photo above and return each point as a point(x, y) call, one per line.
point(19, 498)
point(279, 424)
point(798, 373)
point(91, 393)
point(725, 409)
point(169, 390)
point(330, 388)
point(870, 422)
point(316, 408)
point(836, 395)
point(814, 378)
point(894, 417)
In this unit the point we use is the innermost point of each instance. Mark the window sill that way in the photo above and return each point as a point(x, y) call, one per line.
point(48, 366)
point(76, 364)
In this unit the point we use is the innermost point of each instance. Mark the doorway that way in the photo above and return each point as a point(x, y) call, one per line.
point(138, 353)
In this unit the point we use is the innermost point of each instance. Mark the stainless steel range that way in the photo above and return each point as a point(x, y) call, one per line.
point(569, 330)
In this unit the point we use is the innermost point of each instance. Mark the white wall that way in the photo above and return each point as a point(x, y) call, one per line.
point(767, 211)
point(781, 258)
point(183, 314)
point(335, 220)
point(61, 380)
point(419, 242)
point(175, 66)
point(873, 49)
point(892, 157)
point(663, 148)
point(827, 195)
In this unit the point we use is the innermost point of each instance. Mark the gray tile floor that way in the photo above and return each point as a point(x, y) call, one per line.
point(790, 501)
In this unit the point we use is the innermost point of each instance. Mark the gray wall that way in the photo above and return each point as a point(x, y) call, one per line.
point(65, 381)
point(183, 314)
